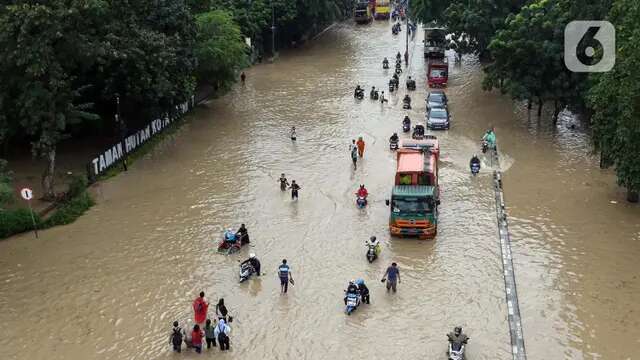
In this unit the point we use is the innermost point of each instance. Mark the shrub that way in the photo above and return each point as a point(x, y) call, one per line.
point(70, 210)
point(16, 221)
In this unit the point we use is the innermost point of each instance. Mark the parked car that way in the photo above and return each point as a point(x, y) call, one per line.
point(436, 99)
point(438, 118)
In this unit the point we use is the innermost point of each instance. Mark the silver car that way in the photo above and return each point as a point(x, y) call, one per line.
point(438, 118)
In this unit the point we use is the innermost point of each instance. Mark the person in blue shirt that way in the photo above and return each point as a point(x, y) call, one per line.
point(284, 273)
point(392, 277)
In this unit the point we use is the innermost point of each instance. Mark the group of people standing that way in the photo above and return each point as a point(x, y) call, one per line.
point(205, 330)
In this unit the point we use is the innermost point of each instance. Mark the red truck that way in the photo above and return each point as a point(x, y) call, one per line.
point(437, 72)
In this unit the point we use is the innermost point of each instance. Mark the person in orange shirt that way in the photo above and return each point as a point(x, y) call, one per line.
point(200, 306)
point(360, 145)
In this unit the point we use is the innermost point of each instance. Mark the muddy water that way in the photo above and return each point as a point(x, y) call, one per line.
point(109, 285)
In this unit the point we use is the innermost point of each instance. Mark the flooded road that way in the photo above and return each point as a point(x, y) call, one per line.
point(109, 285)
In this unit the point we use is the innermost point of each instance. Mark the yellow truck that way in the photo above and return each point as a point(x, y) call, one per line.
point(382, 9)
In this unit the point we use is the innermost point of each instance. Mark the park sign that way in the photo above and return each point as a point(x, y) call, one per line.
point(116, 153)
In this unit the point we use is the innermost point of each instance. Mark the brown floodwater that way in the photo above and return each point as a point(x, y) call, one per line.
point(110, 285)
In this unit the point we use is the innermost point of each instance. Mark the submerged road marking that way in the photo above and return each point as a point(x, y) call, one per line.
point(511, 294)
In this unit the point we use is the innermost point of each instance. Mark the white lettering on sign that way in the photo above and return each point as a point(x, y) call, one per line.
point(111, 156)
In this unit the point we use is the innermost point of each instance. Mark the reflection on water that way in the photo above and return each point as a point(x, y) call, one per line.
point(109, 285)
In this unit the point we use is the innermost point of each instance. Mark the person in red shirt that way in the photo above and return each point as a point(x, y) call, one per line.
point(196, 338)
point(362, 192)
point(200, 306)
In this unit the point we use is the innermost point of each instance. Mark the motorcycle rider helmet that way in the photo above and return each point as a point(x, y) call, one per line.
point(352, 282)
point(361, 186)
point(457, 330)
point(252, 255)
point(372, 239)
point(359, 282)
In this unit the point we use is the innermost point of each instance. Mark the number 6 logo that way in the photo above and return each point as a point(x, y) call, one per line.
point(589, 46)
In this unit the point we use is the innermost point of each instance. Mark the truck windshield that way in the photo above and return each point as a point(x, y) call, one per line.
point(408, 205)
point(437, 73)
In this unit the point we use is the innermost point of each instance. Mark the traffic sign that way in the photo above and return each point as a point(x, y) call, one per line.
point(26, 193)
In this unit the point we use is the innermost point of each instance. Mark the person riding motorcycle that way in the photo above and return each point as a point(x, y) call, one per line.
point(284, 183)
point(406, 121)
point(490, 138)
point(407, 99)
point(396, 79)
point(418, 130)
point(457, 338)
point(375, 243)
point(352, 288)
point(474, 162)
point(394, 138)
point(385, 63)
point(362, 192)
point(254, 262)
point(358, 91)
point(398, 56)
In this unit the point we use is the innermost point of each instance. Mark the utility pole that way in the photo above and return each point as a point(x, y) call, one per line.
point(273, 30)
point(407, 32)
point(122, 127)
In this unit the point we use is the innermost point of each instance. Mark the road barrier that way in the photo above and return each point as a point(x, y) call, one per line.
point(513, 307)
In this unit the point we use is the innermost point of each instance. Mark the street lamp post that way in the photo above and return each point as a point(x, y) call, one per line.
point(123, 132)
point(273, 30)
point(407, 32)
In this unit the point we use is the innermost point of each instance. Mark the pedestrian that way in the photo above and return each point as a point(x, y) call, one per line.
point(294, 190)
point(360, 145)
point(196, 338)
point(354, 157)
point(242, 77)
point(352, 145)
point(200, 306)
point(293, 134)
point(392, 277)
point(284, 272)
point(222, 333)
point(382, 99)
point(221, 310)
point(209, 334)
point(175, 338)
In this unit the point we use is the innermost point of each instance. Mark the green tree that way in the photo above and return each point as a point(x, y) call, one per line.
point(615, 100)
point(42, 47)
point(219, 47)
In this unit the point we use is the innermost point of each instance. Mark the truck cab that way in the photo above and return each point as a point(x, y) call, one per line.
point(437, 72)
point(414, 211)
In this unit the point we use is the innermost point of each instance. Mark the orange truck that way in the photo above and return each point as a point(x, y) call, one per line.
point(415, 195)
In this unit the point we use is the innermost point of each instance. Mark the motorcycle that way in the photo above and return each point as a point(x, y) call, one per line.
point(374, 95)
point(229, 247)
point(485, 146)
point(393, 145)
point(456, 351)
point(353, 301)
point(391, 86)
point(372, 252)
point(398, 70)
point(361, 201)
point(411, 84)
point(246, 270)
point(359, 95)
point(475, 168)
point(385, 65)
point(406, 127)
point(406, 104)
